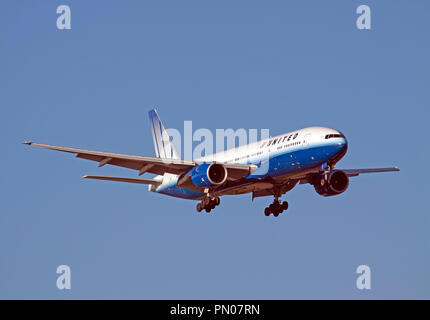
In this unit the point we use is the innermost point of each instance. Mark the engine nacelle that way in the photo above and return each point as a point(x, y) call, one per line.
point(208, 175)
point(336, 182)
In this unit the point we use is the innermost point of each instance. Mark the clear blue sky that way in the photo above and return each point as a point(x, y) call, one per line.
point(281, 65)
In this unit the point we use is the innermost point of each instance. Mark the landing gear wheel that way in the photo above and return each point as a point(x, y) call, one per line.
point(212, 204)
point(217, 201)
point(271, 208)
point(207, 204)
point(276, 208)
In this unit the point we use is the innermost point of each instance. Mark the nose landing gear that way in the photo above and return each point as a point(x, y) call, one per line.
point(276, 208)
point(208, 204)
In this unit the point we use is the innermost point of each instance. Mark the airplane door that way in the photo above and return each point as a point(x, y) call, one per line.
point(264, 164)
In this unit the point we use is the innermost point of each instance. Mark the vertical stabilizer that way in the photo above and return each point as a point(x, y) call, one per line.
point(163, 145)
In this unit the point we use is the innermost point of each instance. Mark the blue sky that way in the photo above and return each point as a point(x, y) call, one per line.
point(222, 64)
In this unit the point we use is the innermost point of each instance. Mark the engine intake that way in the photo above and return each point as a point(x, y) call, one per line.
point(208, 174)
point(336, 183)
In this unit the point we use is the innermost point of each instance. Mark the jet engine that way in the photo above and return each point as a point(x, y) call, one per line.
point(208, 175)
point(333, 183)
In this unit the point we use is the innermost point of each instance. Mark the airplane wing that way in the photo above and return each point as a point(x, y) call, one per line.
point(144, 164)
point(356, 172)
point(141, 163)
point(307, 178)
point(349, 173)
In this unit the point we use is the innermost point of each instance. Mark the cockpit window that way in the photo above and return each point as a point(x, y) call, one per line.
point(333, 135)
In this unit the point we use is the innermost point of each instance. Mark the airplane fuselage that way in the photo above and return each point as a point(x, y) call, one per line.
point(278, 159)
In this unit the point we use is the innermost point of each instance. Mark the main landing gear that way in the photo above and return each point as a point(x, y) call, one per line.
point(208, 204)
point(276, 208)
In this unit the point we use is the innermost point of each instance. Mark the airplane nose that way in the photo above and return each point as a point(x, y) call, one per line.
point(344, 146)
point(343, 142)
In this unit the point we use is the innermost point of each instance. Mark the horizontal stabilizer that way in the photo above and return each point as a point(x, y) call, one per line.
point(125, 179)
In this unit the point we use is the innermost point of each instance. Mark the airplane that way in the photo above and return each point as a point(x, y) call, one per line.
point(270, 167)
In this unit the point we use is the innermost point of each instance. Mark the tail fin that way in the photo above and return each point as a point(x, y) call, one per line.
point(163, 145)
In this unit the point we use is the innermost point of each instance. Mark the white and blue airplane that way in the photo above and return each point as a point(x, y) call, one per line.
point(270, 167)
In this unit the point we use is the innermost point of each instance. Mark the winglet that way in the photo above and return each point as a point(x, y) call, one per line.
point(27, 142)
